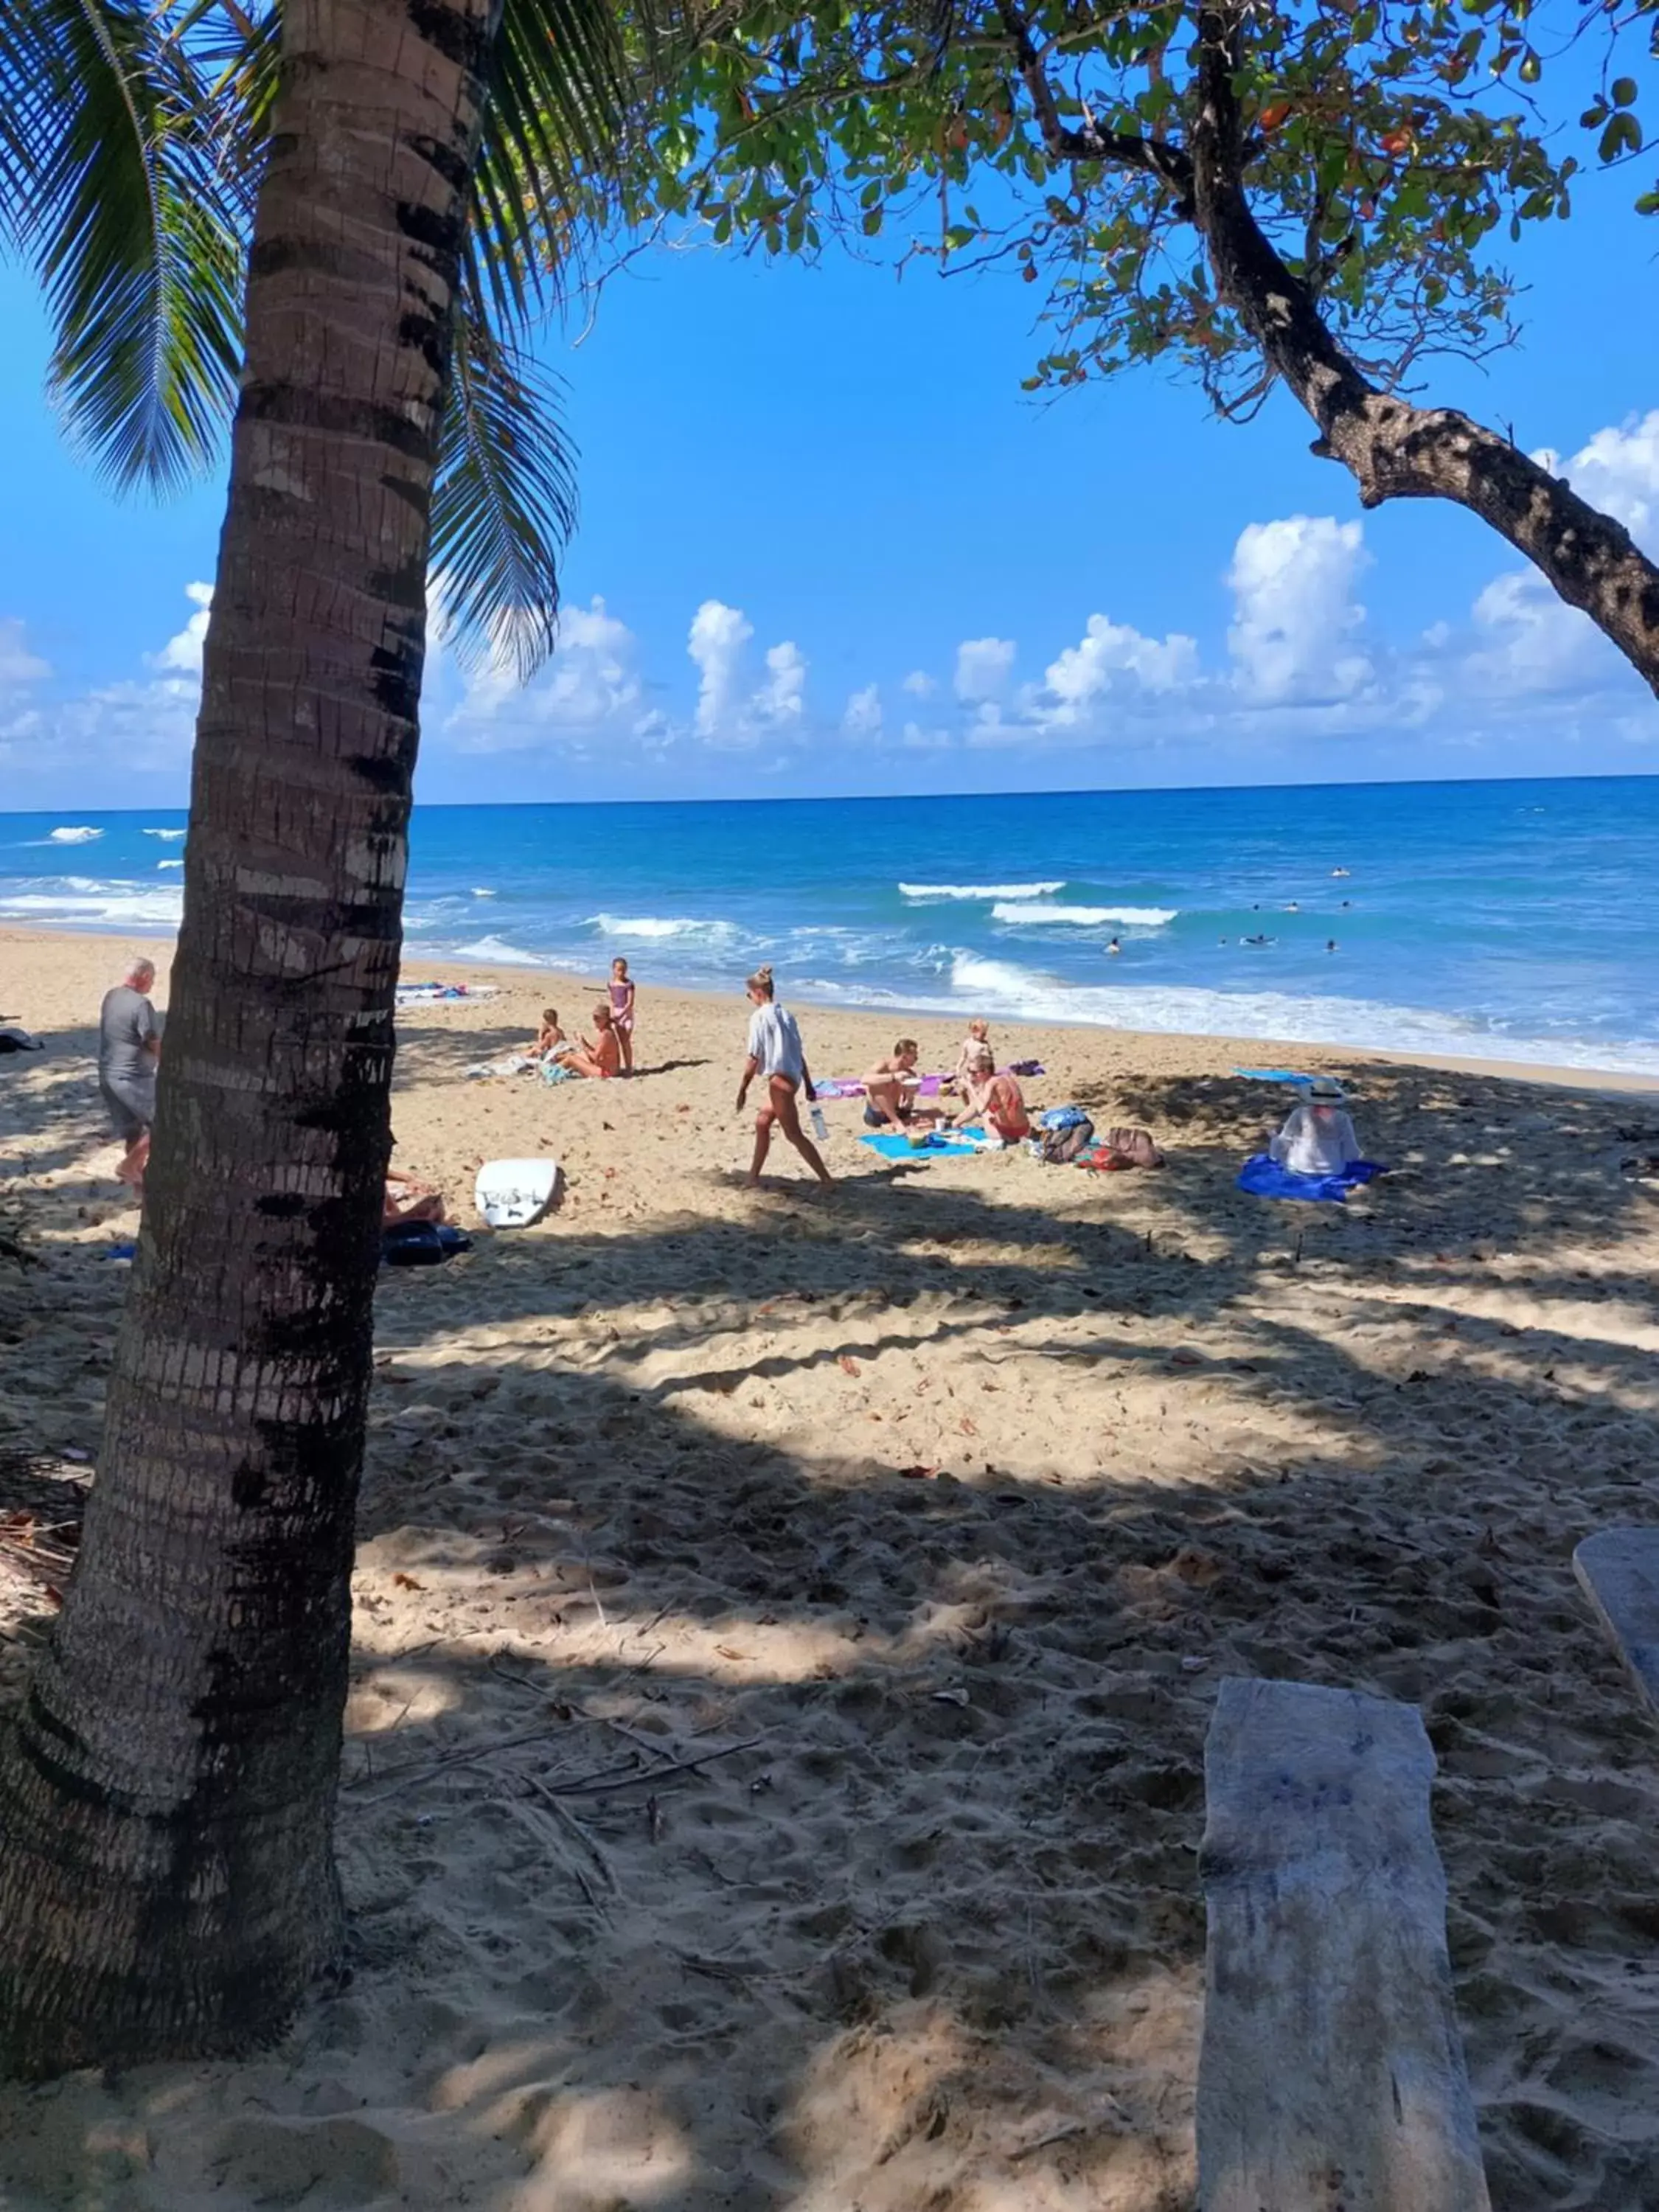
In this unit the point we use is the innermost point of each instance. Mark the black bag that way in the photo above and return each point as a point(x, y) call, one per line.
point(420, 1243)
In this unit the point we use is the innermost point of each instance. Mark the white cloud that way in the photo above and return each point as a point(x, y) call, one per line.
point(919, 684)
point(863, 717)
point(183, 652)
point(1110, 656)
point(1527, 640)
point(1618, 470)
point(781, 698)
point(718, 634)
point(18, 665)
point(983, 667)
point(1292, 637)
point(589, 690)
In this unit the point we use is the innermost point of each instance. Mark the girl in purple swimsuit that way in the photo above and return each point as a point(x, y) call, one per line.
point(621, 988)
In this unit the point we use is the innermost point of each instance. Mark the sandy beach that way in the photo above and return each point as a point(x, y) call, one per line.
point(787, 1621)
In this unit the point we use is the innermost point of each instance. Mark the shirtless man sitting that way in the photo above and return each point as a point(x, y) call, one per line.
point(889, 1086)
point(600, 1055)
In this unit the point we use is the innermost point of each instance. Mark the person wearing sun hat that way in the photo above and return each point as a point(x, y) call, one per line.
point(1318, 1137)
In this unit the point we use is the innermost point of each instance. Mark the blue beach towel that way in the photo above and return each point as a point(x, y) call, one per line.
point(894, 1147)
point(1271, 1075)
point(1263, 1177)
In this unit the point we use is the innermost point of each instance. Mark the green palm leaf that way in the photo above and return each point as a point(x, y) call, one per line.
point(505, 501)
point(121, 189)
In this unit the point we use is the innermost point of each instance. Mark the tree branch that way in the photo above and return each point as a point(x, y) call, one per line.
point(1392, 449)
point(1115, 149)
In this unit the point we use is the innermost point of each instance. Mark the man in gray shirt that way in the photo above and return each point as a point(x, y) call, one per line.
point(129, 1039)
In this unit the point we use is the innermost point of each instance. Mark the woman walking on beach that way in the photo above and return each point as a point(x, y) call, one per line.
point(777, 1054)
point(621, 988)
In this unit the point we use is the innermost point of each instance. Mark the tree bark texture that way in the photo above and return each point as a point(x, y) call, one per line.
point(167, 1884)
point(1392, 449)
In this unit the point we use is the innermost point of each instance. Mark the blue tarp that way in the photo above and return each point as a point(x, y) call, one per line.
point(1271, 1075)
point(1263, 1177)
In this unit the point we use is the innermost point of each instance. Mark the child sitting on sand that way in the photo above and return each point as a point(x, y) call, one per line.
point(1318, 1138)
point(551, 1043)
point(620, 990)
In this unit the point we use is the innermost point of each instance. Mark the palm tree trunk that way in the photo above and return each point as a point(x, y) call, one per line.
point(166, 1875)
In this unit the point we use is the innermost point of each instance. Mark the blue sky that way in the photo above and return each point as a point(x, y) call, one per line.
point(827, 545)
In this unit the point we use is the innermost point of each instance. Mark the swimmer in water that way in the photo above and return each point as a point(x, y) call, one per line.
point(1330, 945)
point(1114, 948)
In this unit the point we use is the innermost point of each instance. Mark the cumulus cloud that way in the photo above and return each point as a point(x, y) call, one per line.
point(1110, 657)
point(718, 634)
point(920, 685)
point(589, 690)
point(1618, 470)
point(984, 667)
point(863, 717)
point(182, 654)
point(781, 698)
point(1295, 617)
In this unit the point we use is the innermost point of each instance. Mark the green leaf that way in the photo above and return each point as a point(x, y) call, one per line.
point(504, 504)
point(114, 183)
point(1622, 135)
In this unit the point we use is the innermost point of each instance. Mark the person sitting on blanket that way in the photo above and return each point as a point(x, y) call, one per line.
point(978, 1036)
point(1318, 1138)
point(997, 1101)
point(890, 1089)
point(551, 1043)
point(601, 1055)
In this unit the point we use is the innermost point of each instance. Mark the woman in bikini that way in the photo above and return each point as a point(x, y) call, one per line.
point(621, 988)
point(776, 1055)
point(995, 1100)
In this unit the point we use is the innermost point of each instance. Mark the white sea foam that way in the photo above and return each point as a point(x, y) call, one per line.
point(999, 986)
point(981, 890)
point(73, 834)
point(1086, 917)
point(500, 953)
point(171, 836)
point(482, 894)
point(651, 925)
point(169, 864)
point(92, 905)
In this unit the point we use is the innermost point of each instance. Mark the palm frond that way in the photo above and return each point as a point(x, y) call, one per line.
point(563, 86)
point(121, 191)
point(505, 501)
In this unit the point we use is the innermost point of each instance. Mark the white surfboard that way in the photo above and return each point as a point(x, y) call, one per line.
point(511, 1194)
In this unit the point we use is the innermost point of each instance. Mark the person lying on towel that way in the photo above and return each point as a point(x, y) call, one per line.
point(1318, 1137)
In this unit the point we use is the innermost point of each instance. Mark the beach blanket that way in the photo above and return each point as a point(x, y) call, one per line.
point(1263, 1177)
point(894, 1147)
point(1271, 1075)
point(924, 1086)
point(437, 994)
point(516, 1063)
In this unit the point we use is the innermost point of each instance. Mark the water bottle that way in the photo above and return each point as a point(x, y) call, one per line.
point(820, 1127)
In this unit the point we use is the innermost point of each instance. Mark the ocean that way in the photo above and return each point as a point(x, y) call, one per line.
point(1508, 920)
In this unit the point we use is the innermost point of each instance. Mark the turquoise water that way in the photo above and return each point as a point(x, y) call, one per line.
point(1515, 920)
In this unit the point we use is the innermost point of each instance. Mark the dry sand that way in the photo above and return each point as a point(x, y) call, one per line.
point(929, 1515)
